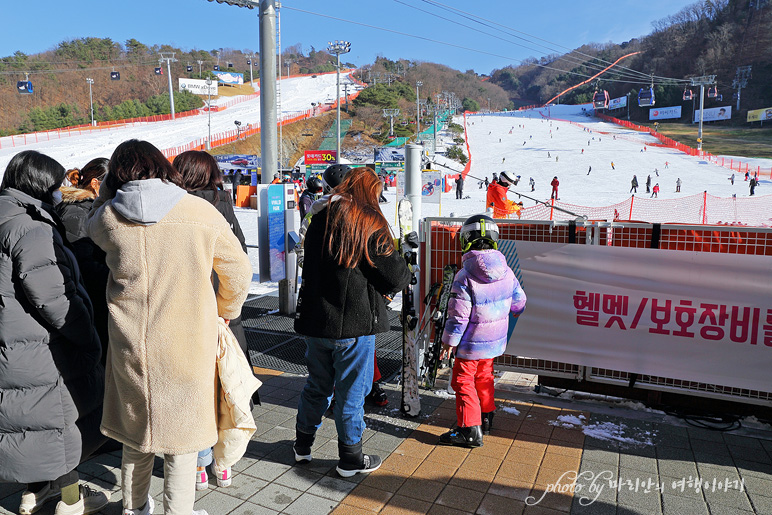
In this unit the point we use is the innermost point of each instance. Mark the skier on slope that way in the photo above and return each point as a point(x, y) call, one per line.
point(555, 183)
point(634, 185)
point(648, 184)
point(477, 333)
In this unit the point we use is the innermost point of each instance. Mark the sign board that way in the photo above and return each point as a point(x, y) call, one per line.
point(315, 170)
point(389, 154)
point(229, 77)
point(665, 113)
point(617, 103)
point(389, 168)
point(714, 114)
point(645, 311)
point(431, 187)
point(758, 115)
point(276, 234)
point(238, 161)
point(198, 87)
point(320, 157)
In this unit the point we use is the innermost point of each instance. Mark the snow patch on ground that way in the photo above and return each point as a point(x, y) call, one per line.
point(510, 409)
point(444, 394)
point(608, 431)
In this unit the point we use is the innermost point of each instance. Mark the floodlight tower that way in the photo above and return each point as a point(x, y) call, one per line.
point(390, 114)
point(418, 84)
point(338, 47)
point(707, 80)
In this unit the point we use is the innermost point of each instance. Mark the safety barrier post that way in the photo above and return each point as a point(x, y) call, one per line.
point(704, 207)
point(632, 200)
point(552, 203)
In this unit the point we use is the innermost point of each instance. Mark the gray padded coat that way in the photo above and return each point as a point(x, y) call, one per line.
point(50, 377)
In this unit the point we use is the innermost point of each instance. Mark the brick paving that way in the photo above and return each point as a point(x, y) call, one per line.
point(528, 456)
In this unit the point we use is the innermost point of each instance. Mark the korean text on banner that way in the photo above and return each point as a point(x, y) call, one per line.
point(758, 115)
point(664, 113)
point(320, 157)
point(230, 77)
point(694, 316)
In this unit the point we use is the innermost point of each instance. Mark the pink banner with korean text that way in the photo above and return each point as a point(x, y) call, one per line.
point(695, 316)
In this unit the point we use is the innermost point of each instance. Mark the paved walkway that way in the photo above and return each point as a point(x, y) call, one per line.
point(629, 462)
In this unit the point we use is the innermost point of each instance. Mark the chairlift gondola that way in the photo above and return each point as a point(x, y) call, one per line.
point(713, 92)
point(159, 70)
point(24, 87)
point(230, 65)
point(646, 97)
point(719, 98)
point(600, 99)
point(249, 62)
point(216, 67)
point(189, 68)
point(114, 75)
point(688, 94)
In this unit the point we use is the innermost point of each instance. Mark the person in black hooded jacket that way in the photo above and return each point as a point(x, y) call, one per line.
point(73, 209)
point(51, 381)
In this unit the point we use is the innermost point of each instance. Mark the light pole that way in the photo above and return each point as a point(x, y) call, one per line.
point(418, 84)
point(337, 48)
point(489, 104)
point(200, 62)
point(249, 62)
point(91, 99)
point(209, 110)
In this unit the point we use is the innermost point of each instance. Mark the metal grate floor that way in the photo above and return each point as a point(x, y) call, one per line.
point(274, 344)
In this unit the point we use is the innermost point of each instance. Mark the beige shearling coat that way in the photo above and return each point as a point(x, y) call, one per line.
point(160, 380)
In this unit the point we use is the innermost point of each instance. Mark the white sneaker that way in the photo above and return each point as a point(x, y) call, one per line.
point(223, 477)
point(32, 502)
point(200, 512)
point(202, 479)
point(90, 501)
point(145, 510)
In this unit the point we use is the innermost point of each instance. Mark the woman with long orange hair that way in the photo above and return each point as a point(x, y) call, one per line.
point(350, 264)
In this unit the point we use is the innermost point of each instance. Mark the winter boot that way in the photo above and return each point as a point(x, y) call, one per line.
point(487, 422)
point(302, 446)
point(377, 396)
point(463, 437)
point(352, 461)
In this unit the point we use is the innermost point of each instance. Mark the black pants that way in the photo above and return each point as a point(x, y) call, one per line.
point(459, 193)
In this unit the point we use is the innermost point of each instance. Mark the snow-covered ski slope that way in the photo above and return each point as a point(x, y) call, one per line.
point(297, 94)
point(553, 147)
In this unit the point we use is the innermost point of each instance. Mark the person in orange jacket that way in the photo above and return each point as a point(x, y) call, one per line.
point(496, 197)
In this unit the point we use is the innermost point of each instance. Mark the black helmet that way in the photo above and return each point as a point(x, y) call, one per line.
point(314, 184)
point(333, 175)
point(477, 228)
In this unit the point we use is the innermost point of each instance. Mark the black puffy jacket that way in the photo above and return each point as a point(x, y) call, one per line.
point(50, 377)
point(337, 302)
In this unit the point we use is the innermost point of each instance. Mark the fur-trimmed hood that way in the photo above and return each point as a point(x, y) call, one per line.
point(70, 195)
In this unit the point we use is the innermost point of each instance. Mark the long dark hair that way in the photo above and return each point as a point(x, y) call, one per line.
point(35, 174)
point(95, 169)
point(199, 171)
point(354, 216)
point(135, 160)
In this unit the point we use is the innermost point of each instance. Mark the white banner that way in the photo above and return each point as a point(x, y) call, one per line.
point(714, 114)
point(696, 316)
point(431, 187)
point(617, 103)
point(664, 113)
point(198, 87)
point(230, 77)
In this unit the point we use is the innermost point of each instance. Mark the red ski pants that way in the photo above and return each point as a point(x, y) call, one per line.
point(473, 384)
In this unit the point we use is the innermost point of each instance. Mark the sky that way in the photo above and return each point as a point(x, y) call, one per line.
point(422, 30)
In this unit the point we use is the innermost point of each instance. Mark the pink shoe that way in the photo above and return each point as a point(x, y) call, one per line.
point(202, 479)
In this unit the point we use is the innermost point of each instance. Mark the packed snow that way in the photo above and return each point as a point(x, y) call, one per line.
point(608, 431)
point(510, 409)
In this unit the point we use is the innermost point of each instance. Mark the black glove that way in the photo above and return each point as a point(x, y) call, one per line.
point(411, 240)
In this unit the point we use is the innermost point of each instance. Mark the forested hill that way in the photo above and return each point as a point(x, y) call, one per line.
point(710, 37)
point(61, 92)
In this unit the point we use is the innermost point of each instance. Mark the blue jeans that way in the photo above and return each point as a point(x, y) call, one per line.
point(205, 458)
point(344, 367)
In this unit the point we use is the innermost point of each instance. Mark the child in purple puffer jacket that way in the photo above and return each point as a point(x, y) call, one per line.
point(484, 292)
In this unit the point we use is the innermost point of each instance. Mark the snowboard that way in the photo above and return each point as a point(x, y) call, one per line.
point(432, 356)
point(411, 402)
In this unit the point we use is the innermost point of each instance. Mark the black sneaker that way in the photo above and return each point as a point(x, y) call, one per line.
point(463, 437)
point(370, 462)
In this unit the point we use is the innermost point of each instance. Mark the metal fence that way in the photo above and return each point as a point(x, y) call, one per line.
point(440, 247)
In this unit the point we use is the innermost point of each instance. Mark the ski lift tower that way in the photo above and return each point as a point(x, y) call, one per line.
point(390, 114)
point(169, 58)
point(706, 80)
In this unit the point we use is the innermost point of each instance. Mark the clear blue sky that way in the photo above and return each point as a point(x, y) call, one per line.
point(35, 26)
